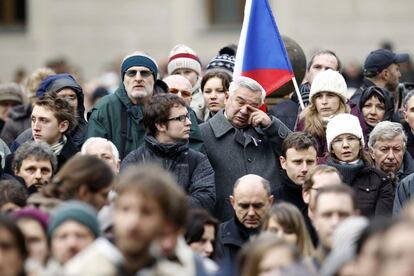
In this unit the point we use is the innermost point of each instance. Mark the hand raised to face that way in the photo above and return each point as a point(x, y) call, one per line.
point(258, 118)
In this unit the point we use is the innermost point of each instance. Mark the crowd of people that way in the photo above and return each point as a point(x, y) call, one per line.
point(183, 173)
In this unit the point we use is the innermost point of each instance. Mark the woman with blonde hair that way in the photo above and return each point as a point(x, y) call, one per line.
point(286, 221)
point(327, 99)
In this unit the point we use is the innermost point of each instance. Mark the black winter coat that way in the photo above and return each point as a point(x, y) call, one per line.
point(191, 168)
point(373, 188)
point(231, 237)
point(290, 192)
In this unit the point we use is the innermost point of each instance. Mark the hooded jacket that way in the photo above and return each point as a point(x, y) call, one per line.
point(56, 83)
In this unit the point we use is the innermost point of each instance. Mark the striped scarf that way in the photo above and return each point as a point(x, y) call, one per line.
point(57, 148)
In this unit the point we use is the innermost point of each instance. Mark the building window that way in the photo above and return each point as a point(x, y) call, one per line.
point(225, 12)
point(13, 14)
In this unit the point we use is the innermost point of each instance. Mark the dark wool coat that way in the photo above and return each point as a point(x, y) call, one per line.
point(231, 236)
point(234, 153)
point(373, 188)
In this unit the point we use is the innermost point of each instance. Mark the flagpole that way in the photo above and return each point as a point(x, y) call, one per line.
point(295, 84)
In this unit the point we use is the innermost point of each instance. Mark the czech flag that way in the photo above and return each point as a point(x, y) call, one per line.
point(261, 54)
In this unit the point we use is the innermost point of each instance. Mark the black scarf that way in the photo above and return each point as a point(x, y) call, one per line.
point(348, 171)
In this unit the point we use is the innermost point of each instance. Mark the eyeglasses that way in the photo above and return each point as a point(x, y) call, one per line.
point(349, 139)
point(184, 93)
point(144, 73)
point(181, 118)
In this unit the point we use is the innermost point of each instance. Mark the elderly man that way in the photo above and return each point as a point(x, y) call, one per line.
point(387, 146)
point(242, 139)
point(382, 69)
point(118, 117)
point(250, 200)
point(180, 86)
point(103, 149)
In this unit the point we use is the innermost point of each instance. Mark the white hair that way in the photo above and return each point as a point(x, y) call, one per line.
point(92, 140)
point(249, 83)
point(386, 130)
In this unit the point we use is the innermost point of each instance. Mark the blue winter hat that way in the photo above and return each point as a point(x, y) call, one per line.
point(78, 211)
point(55, 83)
point(139, 59)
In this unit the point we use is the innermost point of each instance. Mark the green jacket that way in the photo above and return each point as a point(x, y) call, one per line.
point(106, 117)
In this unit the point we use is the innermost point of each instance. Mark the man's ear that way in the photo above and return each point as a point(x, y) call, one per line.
point(271, 200)
point(63, 126)
point(306, 196)
point(384, 74)
point(282, 162)
point(371, 153)
point(161, 127)
point(232, 201)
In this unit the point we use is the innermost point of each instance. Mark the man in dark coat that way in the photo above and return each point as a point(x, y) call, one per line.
point(251, 200)
point(298, 157)
point(167, 122)
point(242, 139)
point(387, 146)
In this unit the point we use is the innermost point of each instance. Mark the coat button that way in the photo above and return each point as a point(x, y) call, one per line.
point(249, 160)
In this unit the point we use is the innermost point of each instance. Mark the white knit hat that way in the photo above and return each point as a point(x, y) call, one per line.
point(182, 56)
point(329, 81)
point(341, 124)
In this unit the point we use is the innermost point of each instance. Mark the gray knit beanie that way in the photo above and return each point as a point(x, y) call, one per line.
point(78, 211)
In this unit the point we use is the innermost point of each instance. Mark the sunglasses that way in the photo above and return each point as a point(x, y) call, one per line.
point(184, 93)
point(181, 118)
point(144, 73)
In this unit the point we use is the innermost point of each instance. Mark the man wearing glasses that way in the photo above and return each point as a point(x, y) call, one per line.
point(167, 122)
point(118, 117)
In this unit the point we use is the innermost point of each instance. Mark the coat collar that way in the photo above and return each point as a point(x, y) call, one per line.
point(220, 124)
